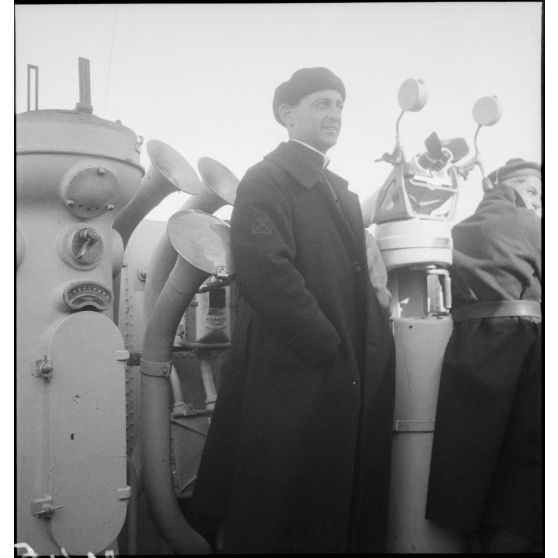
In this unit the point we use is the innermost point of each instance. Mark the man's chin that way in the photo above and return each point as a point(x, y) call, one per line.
point(327, 144)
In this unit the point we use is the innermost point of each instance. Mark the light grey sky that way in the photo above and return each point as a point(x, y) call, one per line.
point(201, 77)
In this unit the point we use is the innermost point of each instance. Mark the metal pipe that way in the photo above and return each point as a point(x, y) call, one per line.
point(208, 383)
point(132, 515)
point(177, 293)
point(169, 172)
point(177, 396)
point(150, 194)
point(398, 146)
point(160, 264)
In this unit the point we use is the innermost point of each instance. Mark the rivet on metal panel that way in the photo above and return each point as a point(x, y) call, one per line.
point(109, 207)
point(70, 203)
point(101, 171)
point(122, 355)
point(124, 493)
point(43, 369)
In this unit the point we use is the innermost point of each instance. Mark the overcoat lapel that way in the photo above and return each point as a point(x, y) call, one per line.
point(350, 223)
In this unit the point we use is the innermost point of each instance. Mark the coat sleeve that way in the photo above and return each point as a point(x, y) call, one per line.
point(264, 251)
point(532, 231)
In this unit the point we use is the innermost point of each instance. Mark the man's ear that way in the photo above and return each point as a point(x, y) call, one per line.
point(286, 113)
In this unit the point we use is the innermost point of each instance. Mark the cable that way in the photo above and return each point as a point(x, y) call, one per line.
point(110, 57)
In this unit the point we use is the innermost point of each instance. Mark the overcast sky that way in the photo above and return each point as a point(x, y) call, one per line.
point(201, 77)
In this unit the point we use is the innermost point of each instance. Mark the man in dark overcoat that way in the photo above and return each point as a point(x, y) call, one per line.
point(486, 470)
point(298, 454)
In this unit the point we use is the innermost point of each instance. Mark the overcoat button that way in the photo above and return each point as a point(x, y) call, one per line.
point(357, 267)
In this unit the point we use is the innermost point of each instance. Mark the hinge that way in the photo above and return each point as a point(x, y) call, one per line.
point(43, 369)
point(122, 354)
point(42, 508)
point(124, 493)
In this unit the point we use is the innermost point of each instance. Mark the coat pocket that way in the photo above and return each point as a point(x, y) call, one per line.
point(284, 369)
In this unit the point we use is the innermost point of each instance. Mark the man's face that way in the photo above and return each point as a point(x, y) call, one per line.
point(316, 119)
point(529, 188)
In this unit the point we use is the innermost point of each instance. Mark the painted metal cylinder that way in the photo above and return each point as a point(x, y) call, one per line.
point(413, 242)
point(421, 329)
point(75, 171)
point(420, 345)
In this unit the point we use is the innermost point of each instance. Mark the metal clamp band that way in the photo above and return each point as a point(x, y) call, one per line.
point(157, 369)
point(413, 425)
point(496, 309)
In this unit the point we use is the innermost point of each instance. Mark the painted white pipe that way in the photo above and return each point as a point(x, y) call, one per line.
point(155, 368)
point(210, 256)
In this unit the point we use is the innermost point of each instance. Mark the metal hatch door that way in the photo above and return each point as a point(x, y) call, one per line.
point(87, 432)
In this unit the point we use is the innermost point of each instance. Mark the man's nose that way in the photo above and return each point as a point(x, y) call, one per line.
point(334, 113)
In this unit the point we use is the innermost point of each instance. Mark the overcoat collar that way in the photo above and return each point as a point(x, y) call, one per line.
point(303, 164)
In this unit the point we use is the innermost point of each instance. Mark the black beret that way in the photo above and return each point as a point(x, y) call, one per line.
point(302, 83)
point(515, 167)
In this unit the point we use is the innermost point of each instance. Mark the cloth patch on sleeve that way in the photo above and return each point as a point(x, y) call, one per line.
point(261, 226)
